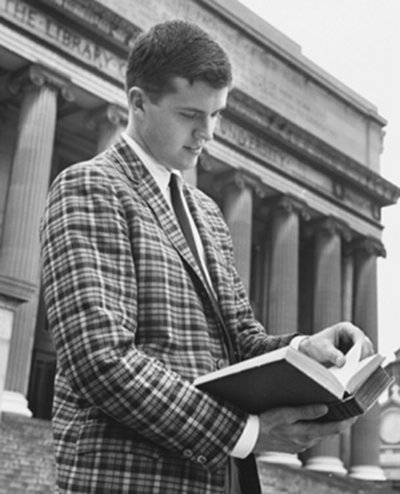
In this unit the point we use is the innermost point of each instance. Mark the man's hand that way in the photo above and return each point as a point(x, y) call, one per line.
point(293, 429)
point(330, 345)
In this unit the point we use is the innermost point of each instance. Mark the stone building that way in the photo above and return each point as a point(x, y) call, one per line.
point(294, 167)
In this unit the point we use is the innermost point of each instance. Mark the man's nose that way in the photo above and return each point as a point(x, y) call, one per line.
point(205, 129)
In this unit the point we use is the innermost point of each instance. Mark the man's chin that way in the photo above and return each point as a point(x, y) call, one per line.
point(188, 165)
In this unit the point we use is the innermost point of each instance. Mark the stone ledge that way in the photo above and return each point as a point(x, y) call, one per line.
point(280, 479)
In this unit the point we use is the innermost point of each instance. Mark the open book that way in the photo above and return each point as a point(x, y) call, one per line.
point(287, 377)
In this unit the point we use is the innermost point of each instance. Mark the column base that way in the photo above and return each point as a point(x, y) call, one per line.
point(281, 458)
point(14, 402)
point(367, 472)
point(329, 464)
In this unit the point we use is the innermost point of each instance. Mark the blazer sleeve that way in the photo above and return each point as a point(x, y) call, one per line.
point(90, 292)
point(252, 338)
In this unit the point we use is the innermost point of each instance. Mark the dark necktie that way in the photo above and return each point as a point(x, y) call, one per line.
point(247, 480)
point(183, 218)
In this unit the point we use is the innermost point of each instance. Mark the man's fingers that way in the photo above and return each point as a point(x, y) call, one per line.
point(311, 412)
point(322, 350)
point(291, 415)
point(292, 430)
point(367, 348)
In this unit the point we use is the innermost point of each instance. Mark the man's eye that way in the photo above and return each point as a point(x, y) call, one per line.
point(188, 115)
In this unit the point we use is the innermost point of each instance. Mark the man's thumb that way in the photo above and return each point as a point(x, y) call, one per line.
point(336, 357)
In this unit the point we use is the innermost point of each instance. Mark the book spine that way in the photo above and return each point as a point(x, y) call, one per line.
point(342, 410)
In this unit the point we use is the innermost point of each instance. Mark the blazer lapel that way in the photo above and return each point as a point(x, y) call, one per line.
point(148, 189)
point(213, 258)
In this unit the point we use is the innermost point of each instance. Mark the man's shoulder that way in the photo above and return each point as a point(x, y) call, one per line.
point(102, 168)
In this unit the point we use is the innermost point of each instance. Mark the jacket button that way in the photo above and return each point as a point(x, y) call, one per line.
point(201, 459)
point(187, 453)
point(221, 364)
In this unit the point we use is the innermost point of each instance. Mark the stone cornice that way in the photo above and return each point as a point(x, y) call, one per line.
point(262, 121)
point(276, 159)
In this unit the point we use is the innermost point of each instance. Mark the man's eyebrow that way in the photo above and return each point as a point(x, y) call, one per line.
point(200, 112)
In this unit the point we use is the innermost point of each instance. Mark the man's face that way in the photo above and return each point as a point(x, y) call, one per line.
point(175, 129)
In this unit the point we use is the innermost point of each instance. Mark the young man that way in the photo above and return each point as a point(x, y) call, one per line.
point(137, 315)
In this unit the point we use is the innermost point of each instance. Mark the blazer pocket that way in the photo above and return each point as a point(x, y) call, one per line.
point(111, 437)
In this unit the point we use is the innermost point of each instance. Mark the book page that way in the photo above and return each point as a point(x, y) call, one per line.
point(356, 370)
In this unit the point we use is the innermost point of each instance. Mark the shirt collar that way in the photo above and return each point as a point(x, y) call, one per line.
point(159, 172)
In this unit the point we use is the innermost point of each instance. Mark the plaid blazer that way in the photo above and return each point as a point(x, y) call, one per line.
point(133, 326)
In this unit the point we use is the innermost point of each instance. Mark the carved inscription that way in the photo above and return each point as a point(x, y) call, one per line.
point(58, 34)
point(98, 17)
point(271, 154)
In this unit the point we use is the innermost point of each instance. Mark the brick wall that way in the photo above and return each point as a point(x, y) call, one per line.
point(26, 456)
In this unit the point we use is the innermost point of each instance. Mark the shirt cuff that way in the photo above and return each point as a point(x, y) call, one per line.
point(295, 342)
point(248, 439)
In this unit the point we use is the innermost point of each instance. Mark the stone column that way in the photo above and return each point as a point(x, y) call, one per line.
point(327, 311)
point(365, 433)
point(19, 256)
point(283, 267)
point(109, 121)
point(347, 315)
point(238, 211)
point(347, 286)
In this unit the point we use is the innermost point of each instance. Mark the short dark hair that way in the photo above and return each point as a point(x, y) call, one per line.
point(176, 49)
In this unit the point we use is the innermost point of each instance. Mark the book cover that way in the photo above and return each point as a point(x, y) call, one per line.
point(287, 377)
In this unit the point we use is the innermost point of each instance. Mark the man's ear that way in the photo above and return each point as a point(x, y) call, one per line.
point(137, 100)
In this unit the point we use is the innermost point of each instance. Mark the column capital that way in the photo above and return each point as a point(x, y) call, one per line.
point(369, 245)
point(39, 75)
point(330, 225)
point(109, 113)
point(288, 204)
point(240, 180)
